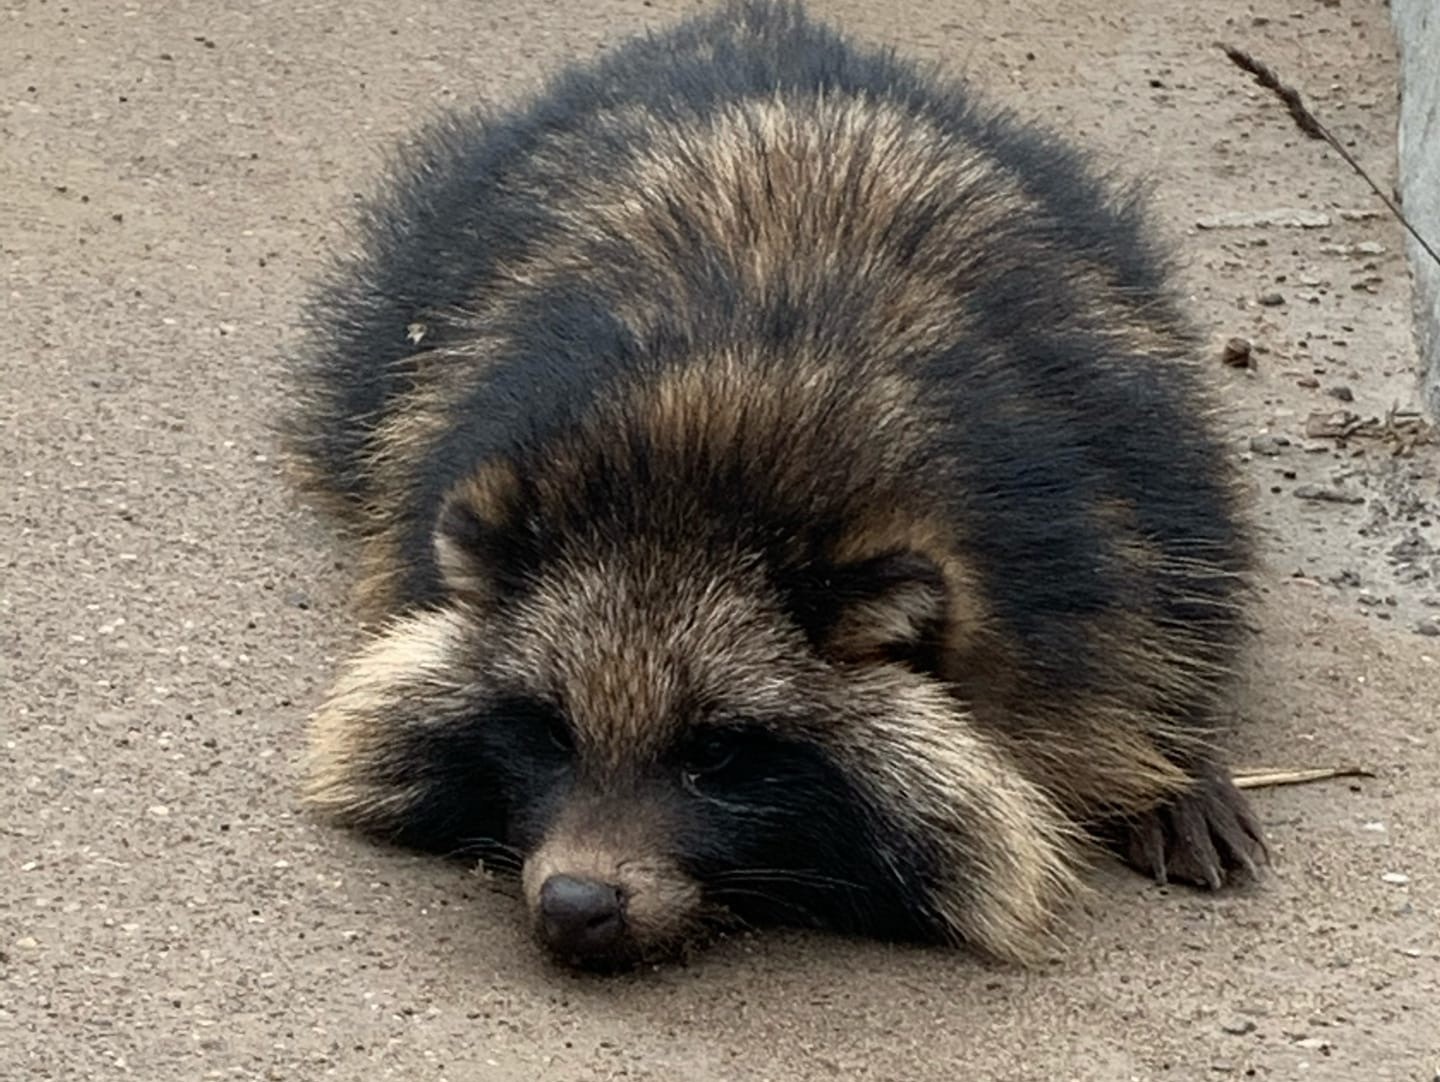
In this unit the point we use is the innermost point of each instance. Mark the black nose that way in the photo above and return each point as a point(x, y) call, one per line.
point(581, 917)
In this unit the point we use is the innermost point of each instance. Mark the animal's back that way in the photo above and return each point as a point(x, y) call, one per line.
point(757, 178)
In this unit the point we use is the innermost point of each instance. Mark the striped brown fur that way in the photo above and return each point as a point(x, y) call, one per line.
point(783, 491)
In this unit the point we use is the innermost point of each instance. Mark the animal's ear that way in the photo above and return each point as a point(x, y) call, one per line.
point(891, 606)
point(475, 532)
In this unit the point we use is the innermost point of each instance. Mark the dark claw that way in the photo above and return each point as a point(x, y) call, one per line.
point(1146, 848)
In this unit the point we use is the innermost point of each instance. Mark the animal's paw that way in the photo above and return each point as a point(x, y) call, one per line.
point(1207, 836)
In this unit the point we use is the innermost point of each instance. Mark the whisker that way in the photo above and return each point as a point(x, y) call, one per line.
point(798, 876)
point(494, 853)
point(807, 915)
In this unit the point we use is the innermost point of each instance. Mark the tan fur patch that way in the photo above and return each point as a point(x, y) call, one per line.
point(633, 648)
point(1009, 856)
point(414, 673)
point(751, 182)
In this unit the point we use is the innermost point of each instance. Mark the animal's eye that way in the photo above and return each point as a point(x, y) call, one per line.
point(558, 730)
point(710, 753)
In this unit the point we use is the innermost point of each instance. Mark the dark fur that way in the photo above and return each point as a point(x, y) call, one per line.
point(1025, 485)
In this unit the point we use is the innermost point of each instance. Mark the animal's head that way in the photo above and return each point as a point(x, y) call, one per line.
point(663, 733)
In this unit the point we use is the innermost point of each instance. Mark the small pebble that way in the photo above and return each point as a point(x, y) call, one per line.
point(1265, 444)
point(1367, 247)
point(1325, 494)
point(1411, 547)
point(1237, 353)
point(1398, 879)
point(27, 943)
point(1429, 626)
point(1374, 826)
point(1343, 393)
point(1272, 299)
point(1239, 1027)
point(160, 811)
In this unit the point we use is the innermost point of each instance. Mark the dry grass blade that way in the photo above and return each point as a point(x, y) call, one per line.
point(1266, 77)
point(1307, 122)
point(1264, 778)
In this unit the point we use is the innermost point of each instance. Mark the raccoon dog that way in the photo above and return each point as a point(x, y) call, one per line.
point(783, 495)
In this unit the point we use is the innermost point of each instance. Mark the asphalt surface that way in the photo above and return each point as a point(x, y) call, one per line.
point(171, 175)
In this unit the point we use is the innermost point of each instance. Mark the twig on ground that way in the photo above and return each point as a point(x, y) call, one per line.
point(1264, 778)
point(1307, 122)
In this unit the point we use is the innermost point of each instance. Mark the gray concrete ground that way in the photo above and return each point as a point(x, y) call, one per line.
point(170, 175)
point(1417, 26)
